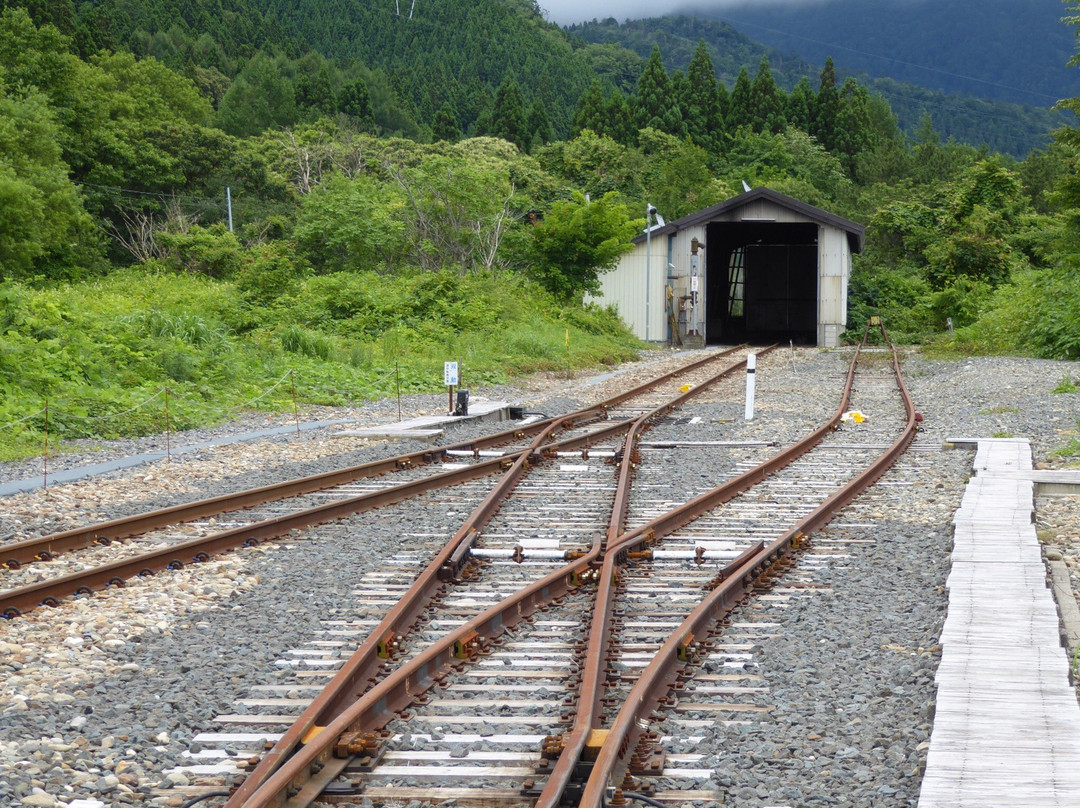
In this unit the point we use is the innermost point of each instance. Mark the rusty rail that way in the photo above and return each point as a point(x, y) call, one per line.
point(16, 602)
point(314, 750)
point(44, 548)
point(628, 729)
point(300, 779)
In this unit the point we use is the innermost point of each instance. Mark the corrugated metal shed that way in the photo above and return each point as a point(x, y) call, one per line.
point(767, 267)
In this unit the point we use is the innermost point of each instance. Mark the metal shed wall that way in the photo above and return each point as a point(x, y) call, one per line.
point(834, 269)
point(625, 286)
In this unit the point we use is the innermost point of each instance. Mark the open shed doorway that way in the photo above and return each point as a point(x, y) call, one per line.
point(761, 282)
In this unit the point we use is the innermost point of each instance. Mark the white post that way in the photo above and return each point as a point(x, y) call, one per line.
point(751, 363)
point(648, 266)
point(228, 205)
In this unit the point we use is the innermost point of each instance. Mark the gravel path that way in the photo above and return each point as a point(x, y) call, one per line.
point(103, 695)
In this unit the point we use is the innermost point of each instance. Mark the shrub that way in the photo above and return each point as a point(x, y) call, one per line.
point(298, 340)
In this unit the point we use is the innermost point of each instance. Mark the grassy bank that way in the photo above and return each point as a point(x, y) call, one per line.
point(116, 356)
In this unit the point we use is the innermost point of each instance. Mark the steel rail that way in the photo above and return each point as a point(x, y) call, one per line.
point(18, 601)
point(592, 675)
point(313, 765)
point(44, 548)
point(618, 543)
point(358, 673)
point(312, 752)
point(627, 732)
point(15, 602)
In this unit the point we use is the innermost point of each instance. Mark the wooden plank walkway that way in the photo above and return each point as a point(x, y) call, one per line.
point(1007, 723)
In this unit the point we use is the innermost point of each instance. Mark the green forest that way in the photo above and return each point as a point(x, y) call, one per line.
point(211, 205)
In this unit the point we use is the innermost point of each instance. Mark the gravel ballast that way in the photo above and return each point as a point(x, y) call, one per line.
point(101, 697)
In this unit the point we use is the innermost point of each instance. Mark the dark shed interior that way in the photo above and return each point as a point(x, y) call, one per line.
point(761, 282)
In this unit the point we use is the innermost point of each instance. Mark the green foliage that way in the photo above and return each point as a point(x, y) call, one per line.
point(43, 225)
point(576, 240)
point(1067, 385)
point(652, 101)
point(767, 102)
point(96, 350)
point(355, 101)
point(445, 125)
point(267, 274)
point(962, 239)
point(258, 98)
point(358, 245)
point(788, 160)
point(1037, 314)
point(595, 164)
point(508, 118)
point(1010, 128)
point(353, 224)
point(677, 174)
point(212, 251)
point(459, 208)
point(299, 340)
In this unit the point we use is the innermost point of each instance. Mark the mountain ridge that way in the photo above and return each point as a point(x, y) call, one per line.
point(1021, 47)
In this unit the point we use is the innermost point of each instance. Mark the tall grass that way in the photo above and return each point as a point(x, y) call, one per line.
point(96, 350)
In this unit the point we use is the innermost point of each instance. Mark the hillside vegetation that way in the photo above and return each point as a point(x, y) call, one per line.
point(198, 204)
point(1009, 123)
point(1005, 50)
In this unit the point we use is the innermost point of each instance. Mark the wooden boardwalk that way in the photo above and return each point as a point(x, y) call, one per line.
point(1007, 723)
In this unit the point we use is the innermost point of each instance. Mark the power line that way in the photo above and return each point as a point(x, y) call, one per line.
point(205, 200)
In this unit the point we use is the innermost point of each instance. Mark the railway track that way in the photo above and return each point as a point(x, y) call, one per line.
point(504, 676)
point(535, 671)
point(85, 559)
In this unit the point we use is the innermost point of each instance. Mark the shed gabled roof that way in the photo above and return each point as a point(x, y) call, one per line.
point(854, 230)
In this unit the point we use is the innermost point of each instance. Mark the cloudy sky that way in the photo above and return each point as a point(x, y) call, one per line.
point(568, 11)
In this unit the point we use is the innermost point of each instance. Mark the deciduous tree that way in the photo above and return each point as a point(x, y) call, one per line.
point(577, 240)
